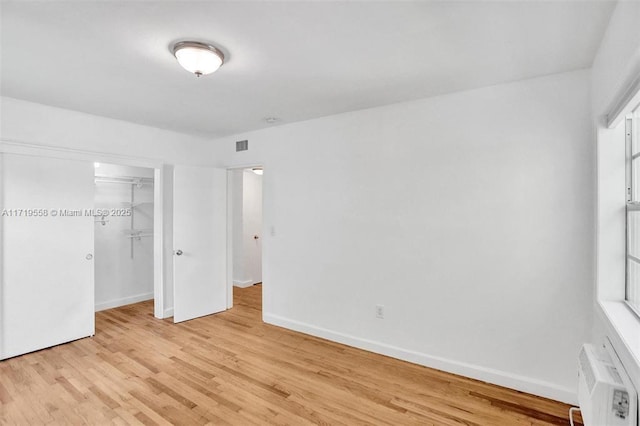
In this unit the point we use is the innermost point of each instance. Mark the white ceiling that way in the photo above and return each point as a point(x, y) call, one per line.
point(287, 59)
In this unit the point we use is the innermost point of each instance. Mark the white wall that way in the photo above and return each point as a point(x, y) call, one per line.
point(468, 216)
point(120, 278)
point(247, 222)
point(32, 123)
point(616, 64)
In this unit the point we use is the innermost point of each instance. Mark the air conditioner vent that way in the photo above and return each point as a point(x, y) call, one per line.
point(242, 145)
point(587, 369)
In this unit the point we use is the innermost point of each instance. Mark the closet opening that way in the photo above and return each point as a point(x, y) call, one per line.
point(124, 229)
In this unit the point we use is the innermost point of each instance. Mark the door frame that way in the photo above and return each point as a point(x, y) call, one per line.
point(230, 191)
point(12, 147)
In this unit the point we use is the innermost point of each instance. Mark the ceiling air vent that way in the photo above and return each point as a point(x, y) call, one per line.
point(242, 145)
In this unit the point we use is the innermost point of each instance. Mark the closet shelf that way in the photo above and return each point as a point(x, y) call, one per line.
point(138, 236)
point(138, 233)
point(127, 209)
point(124, 204)
point(139, 204)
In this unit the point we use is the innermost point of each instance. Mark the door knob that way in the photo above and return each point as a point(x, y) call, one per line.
point(89, 256)
point(255, 237)
point(178, 252)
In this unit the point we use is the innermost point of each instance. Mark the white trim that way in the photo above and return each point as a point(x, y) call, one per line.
point(230, 282)
point(158, 243)
point(243, 284)
point(627, 97)
point(1, 254)
point(115, 303)
point(620, 325)
point(628, 102)
point(497, 377)
point(623, 330)
point(17, 147)
point(168, 313)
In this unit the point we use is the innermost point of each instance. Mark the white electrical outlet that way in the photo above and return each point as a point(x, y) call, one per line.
point(380, 311)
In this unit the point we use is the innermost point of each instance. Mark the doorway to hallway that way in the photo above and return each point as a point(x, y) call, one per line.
point(246, 228)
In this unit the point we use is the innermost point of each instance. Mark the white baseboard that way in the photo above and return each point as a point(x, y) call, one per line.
point(123, 301)
point(243, 284)
point(497, 377)
point(168, 313)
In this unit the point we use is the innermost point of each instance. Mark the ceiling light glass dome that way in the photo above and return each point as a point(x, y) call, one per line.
point(198, 58)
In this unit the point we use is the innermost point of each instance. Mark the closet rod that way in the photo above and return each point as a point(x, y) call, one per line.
point(128, 180)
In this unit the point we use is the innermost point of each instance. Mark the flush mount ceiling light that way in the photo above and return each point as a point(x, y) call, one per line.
point(198, 58)
point(257, 170)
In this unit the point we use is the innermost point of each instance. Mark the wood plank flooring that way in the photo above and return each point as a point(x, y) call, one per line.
point(231, 368)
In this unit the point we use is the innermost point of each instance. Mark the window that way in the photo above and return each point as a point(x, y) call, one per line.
point(633, 210)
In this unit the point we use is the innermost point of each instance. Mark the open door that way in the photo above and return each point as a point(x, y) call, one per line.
point(200, 242)
point(46, 237)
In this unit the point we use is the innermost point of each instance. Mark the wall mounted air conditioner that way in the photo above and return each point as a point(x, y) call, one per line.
point(605, 392)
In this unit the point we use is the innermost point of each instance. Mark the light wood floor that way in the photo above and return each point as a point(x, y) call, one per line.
point(231, 368)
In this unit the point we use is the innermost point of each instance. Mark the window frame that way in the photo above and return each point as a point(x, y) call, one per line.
point(632, 143)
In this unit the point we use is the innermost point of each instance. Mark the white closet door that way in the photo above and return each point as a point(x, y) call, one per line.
point(46, 291)
point(200, 242)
